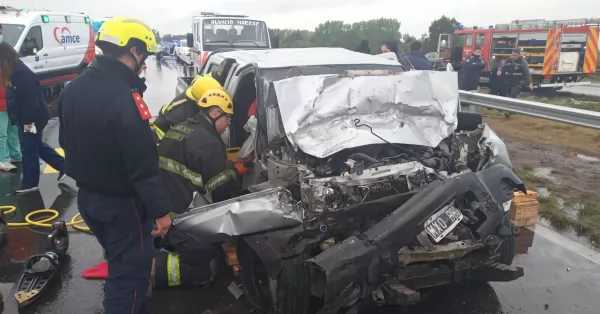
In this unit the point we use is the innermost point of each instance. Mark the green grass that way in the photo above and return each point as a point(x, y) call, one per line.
point(587, 221)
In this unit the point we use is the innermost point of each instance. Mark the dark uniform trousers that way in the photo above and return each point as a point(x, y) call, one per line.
point(122, 229)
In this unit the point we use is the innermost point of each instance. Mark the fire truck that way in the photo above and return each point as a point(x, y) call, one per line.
point(217, 30)
point(560, 52)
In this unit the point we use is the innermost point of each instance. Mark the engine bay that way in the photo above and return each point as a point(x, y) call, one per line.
point(363, 174)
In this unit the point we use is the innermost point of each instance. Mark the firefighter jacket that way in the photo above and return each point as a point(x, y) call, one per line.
point(105, 133)
point(517, 70)
point(193, 159)
point(177, 111)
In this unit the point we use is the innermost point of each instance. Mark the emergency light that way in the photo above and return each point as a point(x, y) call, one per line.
point(45, 19)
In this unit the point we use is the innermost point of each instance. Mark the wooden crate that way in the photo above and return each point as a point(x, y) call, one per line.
point(524, 209)
point(231, 257)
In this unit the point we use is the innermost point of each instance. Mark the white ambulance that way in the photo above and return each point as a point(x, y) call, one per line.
point(57, 46)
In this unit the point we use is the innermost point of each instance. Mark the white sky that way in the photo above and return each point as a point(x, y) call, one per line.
point(174, 16)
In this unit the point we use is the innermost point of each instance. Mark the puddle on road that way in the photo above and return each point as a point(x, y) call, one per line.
point(544, 173)
point(588, 158)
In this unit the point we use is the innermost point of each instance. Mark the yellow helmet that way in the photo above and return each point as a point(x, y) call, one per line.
point(120, 30)
point(217, 98)
point(200, 85)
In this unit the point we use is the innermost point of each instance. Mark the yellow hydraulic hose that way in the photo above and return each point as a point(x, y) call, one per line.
point(77, 224)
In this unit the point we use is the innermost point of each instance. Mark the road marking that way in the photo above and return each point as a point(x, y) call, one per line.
point(48, 168)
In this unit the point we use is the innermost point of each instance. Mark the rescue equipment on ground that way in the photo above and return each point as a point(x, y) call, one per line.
point(76, 224)
point(41, 269)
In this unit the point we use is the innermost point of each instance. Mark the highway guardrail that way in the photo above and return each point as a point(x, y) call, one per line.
point(580, 117)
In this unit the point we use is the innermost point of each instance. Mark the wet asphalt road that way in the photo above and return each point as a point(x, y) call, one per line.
point(561, 276)
point(590, 90)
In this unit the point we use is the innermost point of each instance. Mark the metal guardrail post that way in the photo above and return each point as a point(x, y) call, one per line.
point(580, 117)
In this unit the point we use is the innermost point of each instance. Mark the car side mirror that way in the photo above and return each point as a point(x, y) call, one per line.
point(469, 121)
point(190, 40)
point(29, 49)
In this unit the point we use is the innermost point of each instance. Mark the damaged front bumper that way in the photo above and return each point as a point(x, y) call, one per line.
point(354, 268)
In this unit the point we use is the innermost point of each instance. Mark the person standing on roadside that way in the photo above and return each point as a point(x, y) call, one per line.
point(517, 70)
point(111, 153)
point(10, 151)
point(415, 59)
point(27, 109)
point(471, 71)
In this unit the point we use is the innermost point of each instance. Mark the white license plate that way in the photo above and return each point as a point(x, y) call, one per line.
point(441, 223)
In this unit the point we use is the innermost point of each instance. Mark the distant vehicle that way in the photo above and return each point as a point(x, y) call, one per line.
point(56, 46)
point(183, 53)
point(96, 24)
point(557, 51)
point(216, 30)
point(436, 61)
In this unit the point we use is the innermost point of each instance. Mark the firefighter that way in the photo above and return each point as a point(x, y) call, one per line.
point(193, 159)
point(184, 105)
point(105, 132)
point(517, 70)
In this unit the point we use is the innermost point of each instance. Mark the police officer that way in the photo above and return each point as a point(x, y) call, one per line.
point(184, 105)
point(517, 70)
point(105, 132)
point(469, 75)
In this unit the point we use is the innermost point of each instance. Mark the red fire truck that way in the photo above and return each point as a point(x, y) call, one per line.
point(560, 53)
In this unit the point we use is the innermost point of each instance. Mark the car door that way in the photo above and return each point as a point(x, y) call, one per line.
point(33, 52)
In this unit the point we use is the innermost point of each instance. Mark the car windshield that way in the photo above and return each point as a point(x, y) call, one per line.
point(227, 32)
point(11, 33)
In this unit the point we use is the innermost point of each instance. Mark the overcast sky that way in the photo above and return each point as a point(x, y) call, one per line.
point(174, 16)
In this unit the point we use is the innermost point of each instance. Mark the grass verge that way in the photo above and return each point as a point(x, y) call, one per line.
point(566, 208)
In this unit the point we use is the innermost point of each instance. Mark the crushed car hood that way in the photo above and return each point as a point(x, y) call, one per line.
point(319, 112)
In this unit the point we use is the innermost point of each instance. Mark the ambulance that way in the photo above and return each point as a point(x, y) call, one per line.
point(217, 30)
point(57, 46)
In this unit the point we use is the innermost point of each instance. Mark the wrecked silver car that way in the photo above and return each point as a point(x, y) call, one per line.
point(370, 187)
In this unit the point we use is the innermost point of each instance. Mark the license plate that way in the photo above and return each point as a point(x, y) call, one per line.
point(441, 223)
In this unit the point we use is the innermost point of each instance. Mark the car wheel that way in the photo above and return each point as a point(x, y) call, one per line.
point(288, 294)
point(507, 249)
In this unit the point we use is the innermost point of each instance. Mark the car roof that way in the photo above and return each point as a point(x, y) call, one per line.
point(27, 17)
point(293, 57)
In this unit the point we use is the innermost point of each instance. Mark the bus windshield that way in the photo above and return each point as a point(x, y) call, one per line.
point(11, 33)
point(227, 32)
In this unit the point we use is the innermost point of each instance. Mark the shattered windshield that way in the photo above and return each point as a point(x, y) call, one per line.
point(239, 32)
point(11, 33)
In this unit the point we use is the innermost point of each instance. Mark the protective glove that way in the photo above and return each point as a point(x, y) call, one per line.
point(244, 165)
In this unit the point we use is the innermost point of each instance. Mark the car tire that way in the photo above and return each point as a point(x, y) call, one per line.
point(293, 291)
point(289, 294)
point(507, 249)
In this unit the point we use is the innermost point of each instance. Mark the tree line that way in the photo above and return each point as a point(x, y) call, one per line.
point(350, 35)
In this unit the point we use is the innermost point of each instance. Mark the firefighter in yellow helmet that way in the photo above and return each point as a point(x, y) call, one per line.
point(184, 105)
point(105, 130)
point(193, 159)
